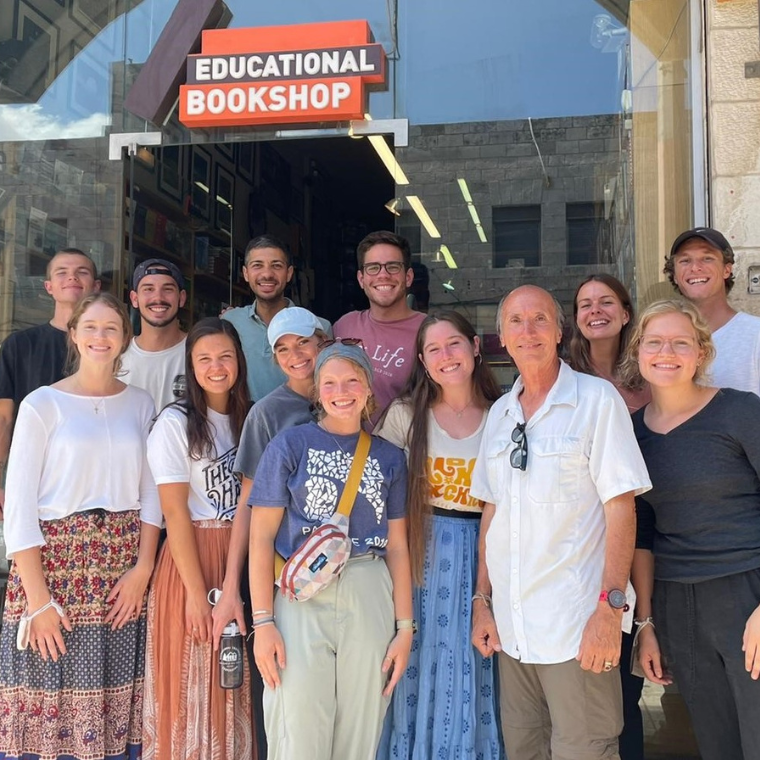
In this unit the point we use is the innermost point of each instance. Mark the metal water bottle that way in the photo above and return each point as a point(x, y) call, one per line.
point(231, 657)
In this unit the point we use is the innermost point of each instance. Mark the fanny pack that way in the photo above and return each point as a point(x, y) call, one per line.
point(322, 557)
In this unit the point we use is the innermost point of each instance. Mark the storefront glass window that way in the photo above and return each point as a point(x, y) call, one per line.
point(547, 141)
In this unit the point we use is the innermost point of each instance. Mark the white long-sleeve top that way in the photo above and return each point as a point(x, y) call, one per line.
point(75, 453)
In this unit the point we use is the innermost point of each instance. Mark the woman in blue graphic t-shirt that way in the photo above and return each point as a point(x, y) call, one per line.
point(330, 663)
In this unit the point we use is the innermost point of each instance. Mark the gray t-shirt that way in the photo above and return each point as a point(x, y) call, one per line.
point(702, 517)
point(304, 470)
point(279, 410)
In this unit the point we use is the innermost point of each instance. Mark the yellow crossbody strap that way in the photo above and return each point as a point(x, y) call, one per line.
point(348, 497)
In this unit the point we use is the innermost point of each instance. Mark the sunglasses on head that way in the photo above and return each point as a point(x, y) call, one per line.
point(344, 341)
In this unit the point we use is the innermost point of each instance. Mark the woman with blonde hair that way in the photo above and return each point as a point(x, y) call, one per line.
point(697, 563)
point(331, 662)
point(444, 706)
point(81, 525)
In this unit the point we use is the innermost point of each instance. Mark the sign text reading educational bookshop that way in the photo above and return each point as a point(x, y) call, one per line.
point(281, 75)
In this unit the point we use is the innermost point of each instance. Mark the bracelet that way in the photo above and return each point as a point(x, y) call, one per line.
point(52, 603)
point(262, 612)
point(261, 623)
point(406, 625)
point(644, 622)
point(483, 598)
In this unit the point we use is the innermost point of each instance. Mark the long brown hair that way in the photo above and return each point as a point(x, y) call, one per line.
point(420, 393)
point(72, 352)
point(200, 430)
point(580, 348)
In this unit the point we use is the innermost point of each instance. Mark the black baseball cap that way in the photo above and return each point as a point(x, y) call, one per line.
point(708, 234)
point(158, 266)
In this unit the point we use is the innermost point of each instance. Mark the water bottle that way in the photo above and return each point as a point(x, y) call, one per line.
point(231, 657)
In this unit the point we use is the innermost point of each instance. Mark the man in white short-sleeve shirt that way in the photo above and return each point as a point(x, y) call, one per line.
point(558, 468)
point(155, 359)
point(700, 268)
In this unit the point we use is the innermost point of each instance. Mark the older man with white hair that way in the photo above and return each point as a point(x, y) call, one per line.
point(558, 469)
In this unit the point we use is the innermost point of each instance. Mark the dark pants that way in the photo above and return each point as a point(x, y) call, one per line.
point(631, 741)
point(700, 628)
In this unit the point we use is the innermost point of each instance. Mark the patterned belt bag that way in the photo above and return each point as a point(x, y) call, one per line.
point(322, 557)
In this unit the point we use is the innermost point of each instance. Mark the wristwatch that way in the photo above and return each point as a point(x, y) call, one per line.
point(406, 625)
point(615, 598)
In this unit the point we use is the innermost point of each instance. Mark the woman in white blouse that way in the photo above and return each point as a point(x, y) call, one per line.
point(191, 451)
point(81, 525)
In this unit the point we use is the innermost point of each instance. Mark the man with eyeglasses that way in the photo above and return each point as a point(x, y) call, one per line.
point(267, 268)
point(700, 268)
point(558, 469)
point(388, 329)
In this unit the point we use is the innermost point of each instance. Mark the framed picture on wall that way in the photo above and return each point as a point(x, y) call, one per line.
point(224, 198)
point(226, 149)
point(244, 160)
point(170, 173)
point(40, 37)
point(92, 15)
point(200, 183)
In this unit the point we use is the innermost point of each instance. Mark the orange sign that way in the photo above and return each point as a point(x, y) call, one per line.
point(281, 75)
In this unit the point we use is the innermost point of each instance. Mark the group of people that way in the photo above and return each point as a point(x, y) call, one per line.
point(485, 609)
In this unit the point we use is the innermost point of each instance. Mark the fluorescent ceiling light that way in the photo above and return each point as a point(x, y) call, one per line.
point(448, 258)
point(393, 206)
point(448, 286)
point(202, 186)
point(224, 201)
point(471, 208)
point(465, 190)
point(423, 216)
point(387, 157)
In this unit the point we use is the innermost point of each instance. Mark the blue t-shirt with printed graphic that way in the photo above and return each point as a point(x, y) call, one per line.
point(304, 470)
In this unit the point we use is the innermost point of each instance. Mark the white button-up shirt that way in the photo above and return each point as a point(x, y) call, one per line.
point(545, 545)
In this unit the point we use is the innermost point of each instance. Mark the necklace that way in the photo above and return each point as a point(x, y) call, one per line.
point(459, 412)
point(319, 424)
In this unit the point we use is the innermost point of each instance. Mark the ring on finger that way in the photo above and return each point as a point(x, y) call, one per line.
point(607, 666)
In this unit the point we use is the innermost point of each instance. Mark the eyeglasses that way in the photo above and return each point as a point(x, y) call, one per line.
point(654, 344)
point(344, 341)
point(391, 267)
point(519, 456)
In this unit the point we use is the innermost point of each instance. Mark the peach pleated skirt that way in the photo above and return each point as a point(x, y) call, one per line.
point(186, 712)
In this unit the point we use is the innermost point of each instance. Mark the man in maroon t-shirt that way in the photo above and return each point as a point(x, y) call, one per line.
point(389, 327)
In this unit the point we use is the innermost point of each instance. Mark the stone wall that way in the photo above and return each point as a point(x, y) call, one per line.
point(501, 164)
point(734, 135)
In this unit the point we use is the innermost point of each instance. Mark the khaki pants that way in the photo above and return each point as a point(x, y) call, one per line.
point(559, 712)
point(330, 704)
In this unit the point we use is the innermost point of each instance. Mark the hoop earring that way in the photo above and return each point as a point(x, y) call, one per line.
point(480, 359)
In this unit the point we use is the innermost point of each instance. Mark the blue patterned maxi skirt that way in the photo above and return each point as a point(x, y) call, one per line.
point(445, 706)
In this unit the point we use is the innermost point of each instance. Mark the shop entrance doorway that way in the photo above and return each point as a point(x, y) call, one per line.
point(199, 204)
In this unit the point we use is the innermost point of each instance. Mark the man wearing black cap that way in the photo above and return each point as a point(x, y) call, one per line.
point(155, 359)
point(700, 269)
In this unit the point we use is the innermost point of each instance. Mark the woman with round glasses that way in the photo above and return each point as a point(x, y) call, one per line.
point(444, 706)
point(602, 326)
point(698, 579)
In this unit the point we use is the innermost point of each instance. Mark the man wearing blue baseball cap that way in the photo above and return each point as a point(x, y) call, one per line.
point(700, 268)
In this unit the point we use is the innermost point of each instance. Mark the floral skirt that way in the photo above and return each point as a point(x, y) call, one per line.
point(88, 705)
point(445, 707)
point(188, 714)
